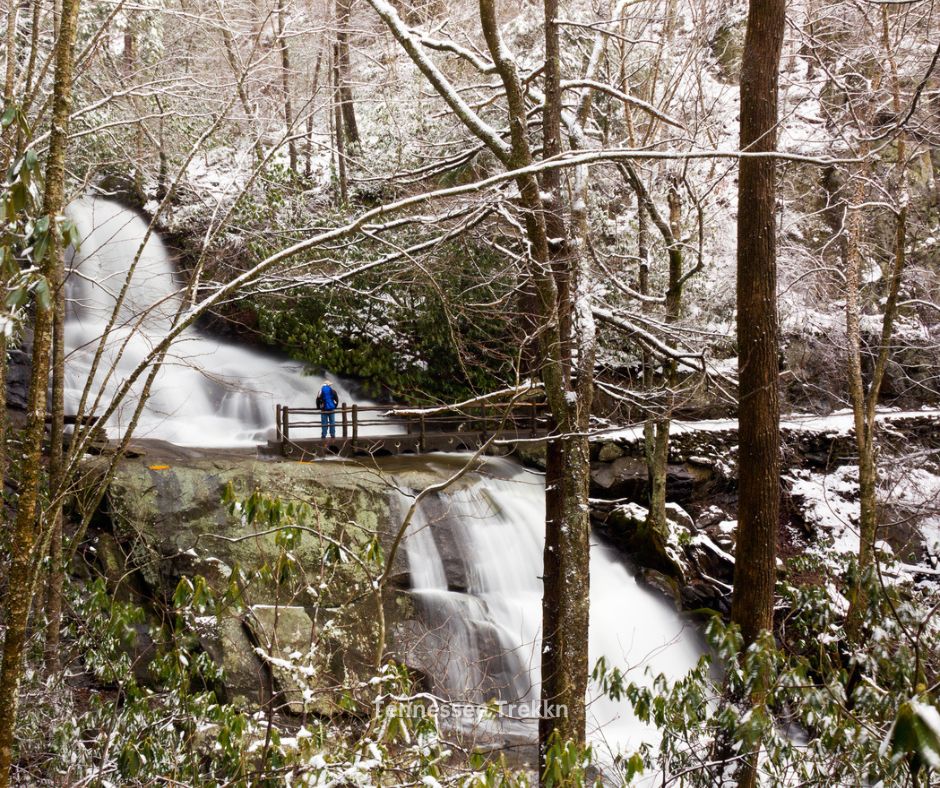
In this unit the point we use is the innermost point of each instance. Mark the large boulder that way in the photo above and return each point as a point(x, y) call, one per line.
point(301, 602)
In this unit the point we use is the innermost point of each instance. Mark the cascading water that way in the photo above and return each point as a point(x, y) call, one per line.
point(475, 559)
point(208, 392)
point(474, 554)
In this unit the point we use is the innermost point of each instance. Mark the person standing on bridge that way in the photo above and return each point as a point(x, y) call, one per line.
point(327, 401)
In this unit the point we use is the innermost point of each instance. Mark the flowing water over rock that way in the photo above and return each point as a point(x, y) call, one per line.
point(209, 392)
point(474, 554)
point(475, 560)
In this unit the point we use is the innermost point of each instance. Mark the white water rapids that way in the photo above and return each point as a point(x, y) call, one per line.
point(208, 392)
point(474, 555)
point(475, 560)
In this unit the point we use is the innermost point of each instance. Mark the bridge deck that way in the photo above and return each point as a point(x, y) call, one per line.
point(443, 429)
point(383, 445)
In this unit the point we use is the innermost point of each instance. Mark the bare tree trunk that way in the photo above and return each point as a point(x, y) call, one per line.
point(285, 85)
point(865, 404)
point(56, 574)
point(657, 425)
point(560, 662)
point(9, 81)
point(9, 150)
point(569, 405)
point(757, 331)
point(340, 136)
point(10, 72)
point(350, 126)
point(759, 408)
point(864, 439)
point(231, 55)
point(656, 522)
point(308, 136)
point(162, 173)
point(33, 45)
point(26, 529)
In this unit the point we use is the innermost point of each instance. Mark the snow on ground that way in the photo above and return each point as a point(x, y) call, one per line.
point(837, 423)
point(829, 503)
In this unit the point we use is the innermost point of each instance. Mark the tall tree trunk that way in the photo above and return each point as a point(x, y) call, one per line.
point(865, 404)
point(569, 406)
point(13, 7)
point(26, 527)
point(285, 85)
point(162, 170)
point(9, 78)
point(658, 456)
point(308, 130)
point(56, 574)
point(9, 150)
point(563, 662)
point(757, 332)
point(339, 135)
point(864, 438)
point(231, 55)
point(350, 126)
point(657, 425)
point(759, 407)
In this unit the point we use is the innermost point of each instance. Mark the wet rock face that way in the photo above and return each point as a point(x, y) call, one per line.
point(293, 636)
point(620, 477)
point(694, 562)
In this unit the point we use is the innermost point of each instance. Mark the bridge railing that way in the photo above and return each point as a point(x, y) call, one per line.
point(355, 421)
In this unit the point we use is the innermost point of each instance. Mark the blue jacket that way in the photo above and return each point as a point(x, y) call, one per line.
point(327, 399)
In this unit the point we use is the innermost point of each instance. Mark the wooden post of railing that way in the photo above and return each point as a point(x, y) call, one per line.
point(343, 411)
point(534, 419)
point(285, 432)
point(421, 443)
point(355, 422)
point(277, 424)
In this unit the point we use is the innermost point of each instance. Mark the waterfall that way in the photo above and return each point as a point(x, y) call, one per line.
point(475, 560)
point(474, 554)
point(208, 392)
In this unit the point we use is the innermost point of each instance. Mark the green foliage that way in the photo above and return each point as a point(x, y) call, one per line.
point(567, 765)
point(171, 728)
point(25, 234)
point(409, 336)
point(822, 710)
point(420, 329)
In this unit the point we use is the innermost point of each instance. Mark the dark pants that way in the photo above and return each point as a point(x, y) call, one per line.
point(327, 417)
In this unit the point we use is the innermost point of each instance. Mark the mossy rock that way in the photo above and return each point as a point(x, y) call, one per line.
point(169, 522)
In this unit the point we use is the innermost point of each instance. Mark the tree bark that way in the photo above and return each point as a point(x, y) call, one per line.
point(9, 149)
point(231, 55)
point(350, 126)
point(340, 136)
point(757, 332)
point(26, 528)
point(56, 574)
point(285, 85)
point(569, 400)
point(757, 329)
point(865, 403)
point(566, 571)
point(657, 425)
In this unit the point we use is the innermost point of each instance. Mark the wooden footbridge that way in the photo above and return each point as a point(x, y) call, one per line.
point(378, 431)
